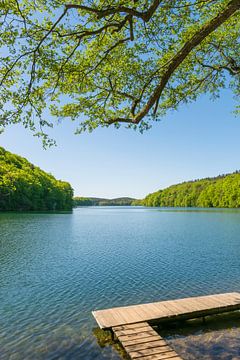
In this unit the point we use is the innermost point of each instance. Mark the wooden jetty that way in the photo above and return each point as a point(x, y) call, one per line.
point(132, 324)
point(141, 341)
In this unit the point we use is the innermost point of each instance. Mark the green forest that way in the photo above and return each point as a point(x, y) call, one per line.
point(93, 201)
point(24, 186)
point(222, 191)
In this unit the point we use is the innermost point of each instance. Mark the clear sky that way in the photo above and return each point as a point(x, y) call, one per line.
point(201, 139)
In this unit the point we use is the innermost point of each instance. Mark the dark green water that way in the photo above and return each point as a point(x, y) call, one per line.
point(56, 268)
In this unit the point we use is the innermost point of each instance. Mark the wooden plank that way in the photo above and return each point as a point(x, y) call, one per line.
point(144, 334)
point(219, 301)
point(153, 351)
point(123, 316)
point(131, 331)
point(130, 326)
point(159, 357)
point(167, 309)
point(141, 340)
point(146, 345)
point(163, 355)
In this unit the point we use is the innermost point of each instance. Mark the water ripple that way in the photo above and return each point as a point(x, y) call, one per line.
point(57, 268)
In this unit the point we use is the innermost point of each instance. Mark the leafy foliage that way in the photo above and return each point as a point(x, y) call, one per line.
point(83, 201)
point(222, 191)
point(115, 61)
point(24, 186)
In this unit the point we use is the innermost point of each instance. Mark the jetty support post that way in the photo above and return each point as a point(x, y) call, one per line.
point(112, 334)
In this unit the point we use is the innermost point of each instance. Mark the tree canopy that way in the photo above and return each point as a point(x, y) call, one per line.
point(107, 62)
point(24, 186)
point(222, 191)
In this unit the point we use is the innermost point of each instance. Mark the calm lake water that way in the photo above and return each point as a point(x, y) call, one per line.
point(56, 268)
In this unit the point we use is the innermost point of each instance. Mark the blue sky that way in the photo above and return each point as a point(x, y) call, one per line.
point(199, 140)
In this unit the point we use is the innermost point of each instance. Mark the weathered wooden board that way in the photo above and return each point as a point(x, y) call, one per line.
point(131, 323)
point(143, 344)
point(167, 310)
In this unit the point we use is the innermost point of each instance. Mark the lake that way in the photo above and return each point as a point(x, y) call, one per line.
point(56, 268)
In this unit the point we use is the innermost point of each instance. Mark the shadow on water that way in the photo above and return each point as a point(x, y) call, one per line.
point(218, 338)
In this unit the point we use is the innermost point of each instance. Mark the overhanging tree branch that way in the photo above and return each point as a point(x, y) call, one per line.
point(136, 54)
point(102, 13)
point(196, 39)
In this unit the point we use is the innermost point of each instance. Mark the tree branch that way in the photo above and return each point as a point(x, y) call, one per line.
point(177, 60)
point(102, 13)
point(233, 71)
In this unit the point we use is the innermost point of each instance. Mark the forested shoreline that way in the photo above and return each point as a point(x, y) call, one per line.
point(94, 201)
point(222, 191)
point(25, 187)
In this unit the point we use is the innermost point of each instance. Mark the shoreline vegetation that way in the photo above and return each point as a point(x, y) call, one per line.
point(25, 187)
point(222, 191)
point(94, 201)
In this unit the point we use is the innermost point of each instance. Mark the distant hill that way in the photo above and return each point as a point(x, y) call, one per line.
point(94, 201)
point(24, 186)
point(221, 191)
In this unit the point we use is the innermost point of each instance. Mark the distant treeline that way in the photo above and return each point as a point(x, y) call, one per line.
point(92, 201)
point(222, 191)
point(24, 186)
